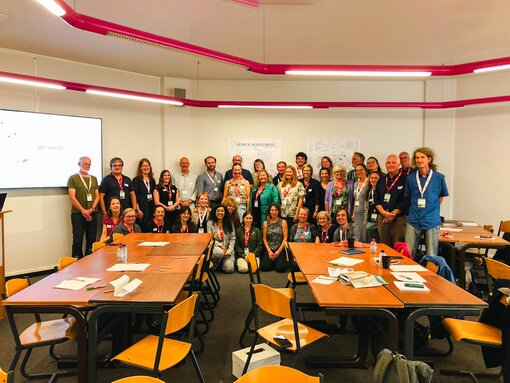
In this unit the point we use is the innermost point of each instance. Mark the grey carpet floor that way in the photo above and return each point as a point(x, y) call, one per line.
point(222, 340)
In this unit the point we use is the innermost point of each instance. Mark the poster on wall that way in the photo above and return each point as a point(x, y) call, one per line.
point(340, 151)
point(269, 151)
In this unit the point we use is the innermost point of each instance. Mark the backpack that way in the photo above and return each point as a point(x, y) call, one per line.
point(391, 367)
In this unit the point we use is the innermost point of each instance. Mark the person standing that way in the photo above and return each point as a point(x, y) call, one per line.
point(238, 160)
point(262, 196)
point(301, 160)
point(185, 182)
point(358, 215)
point(143, 186)
point(84, 196)
point(239, 189)
point(405, 162)
point(426, 189)
point(280, 168)
point(311, 197)
point(291, 194)
point(116, 184)
point(357, 158)
point(391, 204)
point(210, 182)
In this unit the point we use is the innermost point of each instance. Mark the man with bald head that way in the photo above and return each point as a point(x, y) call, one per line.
point(84, 196)
point(238, 160)
point(391, 204)
point(185, 182)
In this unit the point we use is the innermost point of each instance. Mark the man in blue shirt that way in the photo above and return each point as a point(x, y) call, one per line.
point(426, 188)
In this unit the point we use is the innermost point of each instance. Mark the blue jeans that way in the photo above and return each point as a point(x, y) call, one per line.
point(413, 236)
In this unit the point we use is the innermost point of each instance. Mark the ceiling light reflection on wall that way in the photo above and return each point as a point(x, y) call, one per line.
point(31, 83)
point(53, 7)
point(492, 68)
point(134, 97)
point(357, 73)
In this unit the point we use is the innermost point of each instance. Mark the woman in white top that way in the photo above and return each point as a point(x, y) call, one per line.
point(358, 216)
point(200, 214)
point(238, 188)
point(291, 193)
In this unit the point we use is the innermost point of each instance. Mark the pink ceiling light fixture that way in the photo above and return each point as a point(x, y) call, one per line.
point(107, 28)
point(20, 79)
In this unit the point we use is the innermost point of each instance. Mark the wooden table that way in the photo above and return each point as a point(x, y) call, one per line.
point(444, 297)
point(470, 237)
point(159, 287)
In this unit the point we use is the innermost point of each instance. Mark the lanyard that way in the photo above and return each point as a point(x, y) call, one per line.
point(119, 182)
point(221, 234)
point(168, 189)
point(422, 190)
point(359, 189)
point(303, 233)
point(185, 230)
point(388, 189)
point(213, 180)
point(148, 186)
point(259, 192)
point(246, 237)
point(286, 191)
point(339, 189)
point(201, 217)
point(325, 234)
point(84, 184)
point(159, 227)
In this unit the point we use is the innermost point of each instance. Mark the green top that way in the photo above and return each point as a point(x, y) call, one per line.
point(76, 183)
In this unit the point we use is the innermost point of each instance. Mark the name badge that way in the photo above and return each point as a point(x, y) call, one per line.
point(242, 187)
point(89, 197)
point(122, 194)
point(387, 197)
point(201, 230)
point(399, 187)
point(109, 226)
point(170, 203)
point(184, 192)
point(421, 202)
point(309, 190)
point(373, 216)
point(304, 199)
point(216, 189)
point(246, 251)
point(338, 202)
point(155, 229)
point(256, 203)
point(356, 203)
point(126, 185)
point(238, 199)
point(149, 197)
point(371, 200)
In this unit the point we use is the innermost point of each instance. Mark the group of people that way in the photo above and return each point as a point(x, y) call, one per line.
point(259, 213)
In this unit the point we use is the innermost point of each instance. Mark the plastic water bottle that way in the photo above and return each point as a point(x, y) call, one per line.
point(381, 255)
point(122, 253)
point(373, 247)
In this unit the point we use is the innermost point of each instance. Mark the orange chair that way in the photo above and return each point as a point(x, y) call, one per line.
point(495, 270)
point(39, 334)
point(97, 246)
point(278, 374)
point(64, 262)
point(159, 353)
point(294, 278)
point(139, 379)
point(6, 377)
point(280, 305)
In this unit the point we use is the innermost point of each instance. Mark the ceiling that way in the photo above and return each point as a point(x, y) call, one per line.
point(389, 32)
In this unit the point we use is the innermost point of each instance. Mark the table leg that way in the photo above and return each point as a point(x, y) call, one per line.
point(462, 258)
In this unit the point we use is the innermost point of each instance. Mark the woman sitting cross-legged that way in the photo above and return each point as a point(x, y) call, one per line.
point(248, 240)
point(224, 239)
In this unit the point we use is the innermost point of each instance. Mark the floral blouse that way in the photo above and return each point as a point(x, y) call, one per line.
point(238, 190)
point(289, 196)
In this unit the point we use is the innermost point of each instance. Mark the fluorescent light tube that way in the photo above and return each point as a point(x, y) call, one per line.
point(267, 106)
point(363, 73)
point(492, 68)
point(31, 83)
point(53, 7)
point(133, 97)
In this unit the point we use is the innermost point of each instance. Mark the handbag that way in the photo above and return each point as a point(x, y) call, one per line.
point(392, 367)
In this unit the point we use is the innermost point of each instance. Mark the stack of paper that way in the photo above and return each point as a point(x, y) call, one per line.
point(335, 272)
point(153, 244)
point(323, 280)
point(129, 267)
point(361, 279)
point(122, 286)
point(345, 261)
point(76, 283)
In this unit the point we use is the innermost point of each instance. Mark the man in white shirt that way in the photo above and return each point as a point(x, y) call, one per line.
point(185, 182)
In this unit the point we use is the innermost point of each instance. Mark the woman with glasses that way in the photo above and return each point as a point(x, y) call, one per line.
point(339, 193)
point(127, 225)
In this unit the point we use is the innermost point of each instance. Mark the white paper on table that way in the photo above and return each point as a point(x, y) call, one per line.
point(408, 277)
point(129, 267)
point(122, 286)
point(334, 272)
point(404, 268)
point(345, 261)
point(77, 283)
point(402, 286)
point(322, 280)
point(153, 244)
point(472, 224)
point(451, 229)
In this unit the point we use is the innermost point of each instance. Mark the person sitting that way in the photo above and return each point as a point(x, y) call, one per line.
point(327, 229)
point(200, 214)
point(224, 239)
point(274, 235)
point(158, 224)
point(248, 240)
point(303, 231)
point(344, 229)
point(111, 218)
point(127, 225)
point(230, 205)
point(184, 223)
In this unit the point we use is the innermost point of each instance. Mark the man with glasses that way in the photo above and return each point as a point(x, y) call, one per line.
point(116, 184)
point(84, 197)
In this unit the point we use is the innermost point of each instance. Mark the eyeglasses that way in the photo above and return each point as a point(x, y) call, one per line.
point(117, 165)
point(131, 216)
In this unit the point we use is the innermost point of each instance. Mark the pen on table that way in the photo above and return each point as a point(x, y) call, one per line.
point(406, 277)
point(107, 291)
point(95, 287)
point(414, 285)
point(327, 278)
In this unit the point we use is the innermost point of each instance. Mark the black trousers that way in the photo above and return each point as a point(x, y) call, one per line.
point(81, 227)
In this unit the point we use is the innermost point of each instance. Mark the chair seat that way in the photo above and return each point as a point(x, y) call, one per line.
point(143, 353)
point(287, 291)
point(50, 331)
point(277, 374)
point(300, 277)
point(138, 379)
point(473, 332)
point(307, 335)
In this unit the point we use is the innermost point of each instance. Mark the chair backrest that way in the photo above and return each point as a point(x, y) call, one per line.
point(6, 377)
point(496, 269)
point(272, 301)
point(12, 286)
point(117, 236)
point(139, 379)
point(278, 374)
point(504, 227)
point(65, 261)
point(97, 245)
point(180, 315)
point(253, 268)
point(431, 266)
